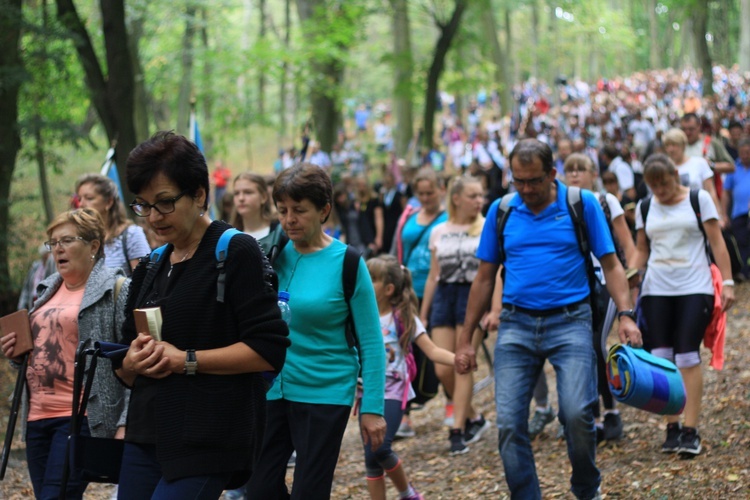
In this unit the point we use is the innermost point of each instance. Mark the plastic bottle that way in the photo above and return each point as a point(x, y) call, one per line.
point(286, 312)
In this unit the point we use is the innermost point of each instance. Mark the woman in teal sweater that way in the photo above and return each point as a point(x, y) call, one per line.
point(311, 399)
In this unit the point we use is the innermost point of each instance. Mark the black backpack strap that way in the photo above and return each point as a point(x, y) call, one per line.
point(124, 239)
point(695, 203)
point(503, 211)
point(349, 281)
point(575, 207)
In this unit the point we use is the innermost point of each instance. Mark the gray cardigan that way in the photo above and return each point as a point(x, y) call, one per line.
point(98, 319)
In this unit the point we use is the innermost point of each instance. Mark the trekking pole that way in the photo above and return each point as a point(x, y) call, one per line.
point(17, 393)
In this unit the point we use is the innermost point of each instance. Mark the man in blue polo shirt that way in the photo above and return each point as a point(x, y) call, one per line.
point(546, 315)
point(736, 197)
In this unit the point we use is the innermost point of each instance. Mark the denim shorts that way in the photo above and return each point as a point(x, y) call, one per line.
point(449, 304)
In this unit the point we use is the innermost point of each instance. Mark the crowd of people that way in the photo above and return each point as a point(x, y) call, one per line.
point(382, 263)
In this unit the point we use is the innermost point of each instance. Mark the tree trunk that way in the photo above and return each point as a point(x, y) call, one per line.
point(207, 90)
point(112, 97)
point(403, 73)
point(261, 72)
point(447, 33)
point(11, 68)
point(653, 25)
point(744, 57)
point(49, 212)
point(186, 82)
point(140, 95)
point(509, 51)
point(326, 73)
point(534, 39)
point(283, 91)
point(703, 57)
point(503, 79)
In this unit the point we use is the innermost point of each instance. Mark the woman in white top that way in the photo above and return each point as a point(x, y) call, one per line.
point(453, 267)
point(124, 243)
point(694, 171)
point(253, 213)
point(677, 294)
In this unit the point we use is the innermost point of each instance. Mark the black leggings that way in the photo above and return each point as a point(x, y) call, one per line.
point(677, 322)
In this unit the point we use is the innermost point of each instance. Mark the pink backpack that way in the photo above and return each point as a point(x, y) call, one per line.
point(411, 364)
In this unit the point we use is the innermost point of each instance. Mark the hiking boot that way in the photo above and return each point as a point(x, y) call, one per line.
point(690, 443)
point(449, 421)
point(405, 429)
point(475, 429)
point(672, 443)
point(612, 427)
point(458, 445)
point(539, 421)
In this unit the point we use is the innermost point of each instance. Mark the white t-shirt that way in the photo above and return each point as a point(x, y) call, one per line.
point(694, 172)
point(624, 173)
point(455, 251)
point(677, 263)
point(260, 233)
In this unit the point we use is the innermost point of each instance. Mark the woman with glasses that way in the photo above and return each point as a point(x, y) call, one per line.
point(197, 406)
point(124, 242)
point(81, 302)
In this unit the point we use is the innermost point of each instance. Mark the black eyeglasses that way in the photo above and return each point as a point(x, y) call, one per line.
point(64, 242)
point(533, 182)
point(164, 207)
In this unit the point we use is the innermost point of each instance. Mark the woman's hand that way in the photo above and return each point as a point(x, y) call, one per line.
point(145, 357)
point(373, 430)
point(8, 343)
point(175, 356)
point(727, 297)
point(120, 434)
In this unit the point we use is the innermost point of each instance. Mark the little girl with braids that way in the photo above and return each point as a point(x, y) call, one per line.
point(401, 326)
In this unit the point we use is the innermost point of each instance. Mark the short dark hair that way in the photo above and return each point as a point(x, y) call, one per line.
point(690, 116)
point(745, 141)
point(734, 124)
point(173, 155)
point(610, 151)
point(528, 149)
point(304, 181)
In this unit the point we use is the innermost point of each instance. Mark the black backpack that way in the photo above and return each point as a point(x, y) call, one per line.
point(575, 209)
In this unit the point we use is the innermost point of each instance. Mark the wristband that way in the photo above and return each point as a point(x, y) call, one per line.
point(728, 282)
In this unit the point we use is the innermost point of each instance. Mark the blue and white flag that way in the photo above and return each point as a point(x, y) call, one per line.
point(195, 133)
point(109, 169)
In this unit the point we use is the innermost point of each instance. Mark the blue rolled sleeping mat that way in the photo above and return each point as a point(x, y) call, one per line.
point(640, 379)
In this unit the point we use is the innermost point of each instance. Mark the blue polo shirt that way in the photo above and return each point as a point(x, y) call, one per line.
point(738, 183)
point(544, 267)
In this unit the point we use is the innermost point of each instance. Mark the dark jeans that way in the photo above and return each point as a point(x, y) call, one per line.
point(315, 431)
point(742, 235)
point(140, 478)
point(46, 442)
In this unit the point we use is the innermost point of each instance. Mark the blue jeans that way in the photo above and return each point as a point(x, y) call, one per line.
point(46, 442)
point(523, 344)
point(384, 459)
point(140, 478)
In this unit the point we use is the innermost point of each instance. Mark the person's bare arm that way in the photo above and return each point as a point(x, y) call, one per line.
point(617, 286)
point(480, 297)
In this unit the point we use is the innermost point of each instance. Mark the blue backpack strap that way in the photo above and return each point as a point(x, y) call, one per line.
point(503, 211)
point(156, 255)
point(222, 249)
point(349, 282)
